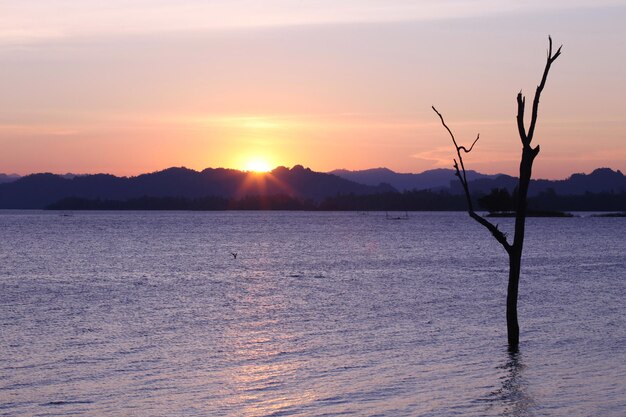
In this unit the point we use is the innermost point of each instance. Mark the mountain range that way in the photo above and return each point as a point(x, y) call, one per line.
point(38, 191)
point(428, 180)
point(601, 180)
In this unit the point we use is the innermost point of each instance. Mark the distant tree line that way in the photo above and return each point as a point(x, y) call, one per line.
point(499, 200)
point(273, 202)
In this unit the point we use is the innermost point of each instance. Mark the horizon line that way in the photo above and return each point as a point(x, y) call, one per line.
point(63, 174)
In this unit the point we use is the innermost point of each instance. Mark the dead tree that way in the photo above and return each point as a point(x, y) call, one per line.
point(529, 153)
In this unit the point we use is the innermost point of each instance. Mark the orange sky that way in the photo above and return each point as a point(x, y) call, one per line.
point(134, 86)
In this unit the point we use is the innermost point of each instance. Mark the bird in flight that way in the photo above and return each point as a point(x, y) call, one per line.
point(234, 255)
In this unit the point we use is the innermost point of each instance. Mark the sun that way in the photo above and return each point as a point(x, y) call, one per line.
point(258, 165)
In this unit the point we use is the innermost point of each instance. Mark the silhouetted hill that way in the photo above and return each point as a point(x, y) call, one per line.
point(428, 180)
point(4, 178)
point(601, 180)
point(299, 183)
point(41, 190)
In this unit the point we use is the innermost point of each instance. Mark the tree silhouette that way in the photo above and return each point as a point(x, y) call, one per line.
point(529, 153)
point(498, 200)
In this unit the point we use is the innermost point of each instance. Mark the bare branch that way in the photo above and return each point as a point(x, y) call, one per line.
point(533, 120)
point(471, 147)
point(460, 172)
point(521, 104)
point(447, 128)
point(495, 232)
point(458, 151)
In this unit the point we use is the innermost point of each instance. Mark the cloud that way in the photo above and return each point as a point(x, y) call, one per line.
point(28, 21)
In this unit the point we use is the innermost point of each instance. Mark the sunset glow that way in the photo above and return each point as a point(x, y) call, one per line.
point(258, 165)
point(136, 87)
point(313, 207)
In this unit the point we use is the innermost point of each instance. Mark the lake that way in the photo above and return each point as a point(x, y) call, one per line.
point(319, 314)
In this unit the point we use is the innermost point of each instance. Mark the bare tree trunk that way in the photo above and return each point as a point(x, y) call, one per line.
point(512, 326)
point(515, 254)
point(529, 154)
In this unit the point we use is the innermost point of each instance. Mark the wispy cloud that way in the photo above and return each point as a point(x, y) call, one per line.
point(34, 20)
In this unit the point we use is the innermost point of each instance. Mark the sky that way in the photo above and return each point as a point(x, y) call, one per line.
point(134, 86)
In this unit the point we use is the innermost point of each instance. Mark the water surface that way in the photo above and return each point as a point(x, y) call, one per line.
point(320, 314)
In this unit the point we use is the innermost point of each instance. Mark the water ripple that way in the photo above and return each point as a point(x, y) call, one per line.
point(321, 314)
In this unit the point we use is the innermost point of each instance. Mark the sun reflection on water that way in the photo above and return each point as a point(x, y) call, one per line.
point(262, 349)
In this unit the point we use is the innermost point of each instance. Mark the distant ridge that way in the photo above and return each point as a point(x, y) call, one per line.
point(428, 180)
point(37, 191)
point(4, 178)
point(601, 180)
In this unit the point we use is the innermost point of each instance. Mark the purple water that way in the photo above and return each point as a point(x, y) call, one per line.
point(320, 314)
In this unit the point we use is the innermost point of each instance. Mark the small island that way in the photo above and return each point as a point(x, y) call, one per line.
point(532, 213)
point(618, 214)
